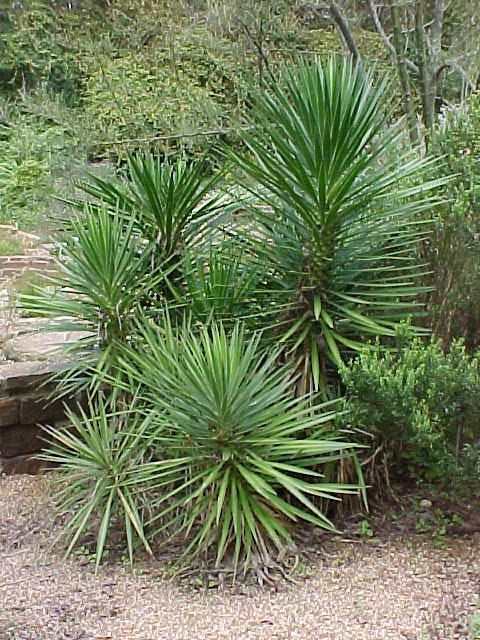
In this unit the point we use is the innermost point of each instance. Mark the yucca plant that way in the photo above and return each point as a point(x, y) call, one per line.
point(336, 230)
point(104, 273)
point(239, 454)
point(168, 201)
point(94, 458)
point(221, 284)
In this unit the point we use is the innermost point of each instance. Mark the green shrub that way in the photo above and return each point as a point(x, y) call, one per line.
point(235, 442)
point(21, 183)
point(126, 98)
point(169, 202)
point(40, 150)
point(95, 461)
point(104, 274)
point(25, 169)
point(221, 284)
point(418, 402)
point(37, 50)
point(453, 248)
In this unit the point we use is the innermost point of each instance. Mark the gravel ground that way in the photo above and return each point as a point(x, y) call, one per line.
point(372, 590)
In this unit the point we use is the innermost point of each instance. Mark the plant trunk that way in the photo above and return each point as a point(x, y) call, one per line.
point(403, 73)
point(427, 110)
point(434, 57)
point(459, 446)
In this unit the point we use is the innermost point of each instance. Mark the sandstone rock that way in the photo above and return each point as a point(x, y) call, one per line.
point(31, 325)
point(21, 464)
point(9, 411)
point(36, 408)
point(23, 375)
point(40, 346)
point(18, 440)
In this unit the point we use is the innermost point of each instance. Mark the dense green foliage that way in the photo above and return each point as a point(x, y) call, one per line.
point(229, 420)
point(453, 249)
point(162, 239)
point(419, 403)
point(105, 271)
point(327, 196)
point(167, 202)
point(97, 459)
point(37, 48)
point(85, 81)
point(163, 89)
point(210, 443)
point(30, 154)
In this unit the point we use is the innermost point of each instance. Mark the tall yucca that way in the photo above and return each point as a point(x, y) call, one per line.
point(343, 214)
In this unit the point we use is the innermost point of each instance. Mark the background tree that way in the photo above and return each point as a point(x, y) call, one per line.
point(431, 43)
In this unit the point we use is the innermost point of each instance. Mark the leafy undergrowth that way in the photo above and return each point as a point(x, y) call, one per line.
point(10, 246)
point(81, 83)
point(416, 513)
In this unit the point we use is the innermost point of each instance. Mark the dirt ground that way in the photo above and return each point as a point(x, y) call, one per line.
point(408, 586)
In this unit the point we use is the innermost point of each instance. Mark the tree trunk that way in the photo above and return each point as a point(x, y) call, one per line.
point(435, 48)
point(427, 111)
point(403, 72)
point(342, 25)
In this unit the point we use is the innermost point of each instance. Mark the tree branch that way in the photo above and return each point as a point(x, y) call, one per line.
point(342, 26)
point(257, 43)
point(403, 73)
point(450, 64)
point(437, 26)
point(380, 29)
point(386, 40)
point(427, 107)
point(176, 136)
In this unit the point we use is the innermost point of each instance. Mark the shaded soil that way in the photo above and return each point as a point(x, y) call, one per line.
point(398, 580)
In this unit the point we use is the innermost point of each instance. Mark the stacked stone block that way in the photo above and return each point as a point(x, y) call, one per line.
point(25, 405)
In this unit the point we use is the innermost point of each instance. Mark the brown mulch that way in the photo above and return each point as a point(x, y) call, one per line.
point(404, 586)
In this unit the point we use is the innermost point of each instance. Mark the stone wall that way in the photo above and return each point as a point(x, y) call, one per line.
point(28, 345)
point(17, 266)
point(35, 257)
point(24, 406)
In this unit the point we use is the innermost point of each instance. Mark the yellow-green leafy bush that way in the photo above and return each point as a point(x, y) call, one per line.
point(420, 404)
point(181, 85)
point(453, 249)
